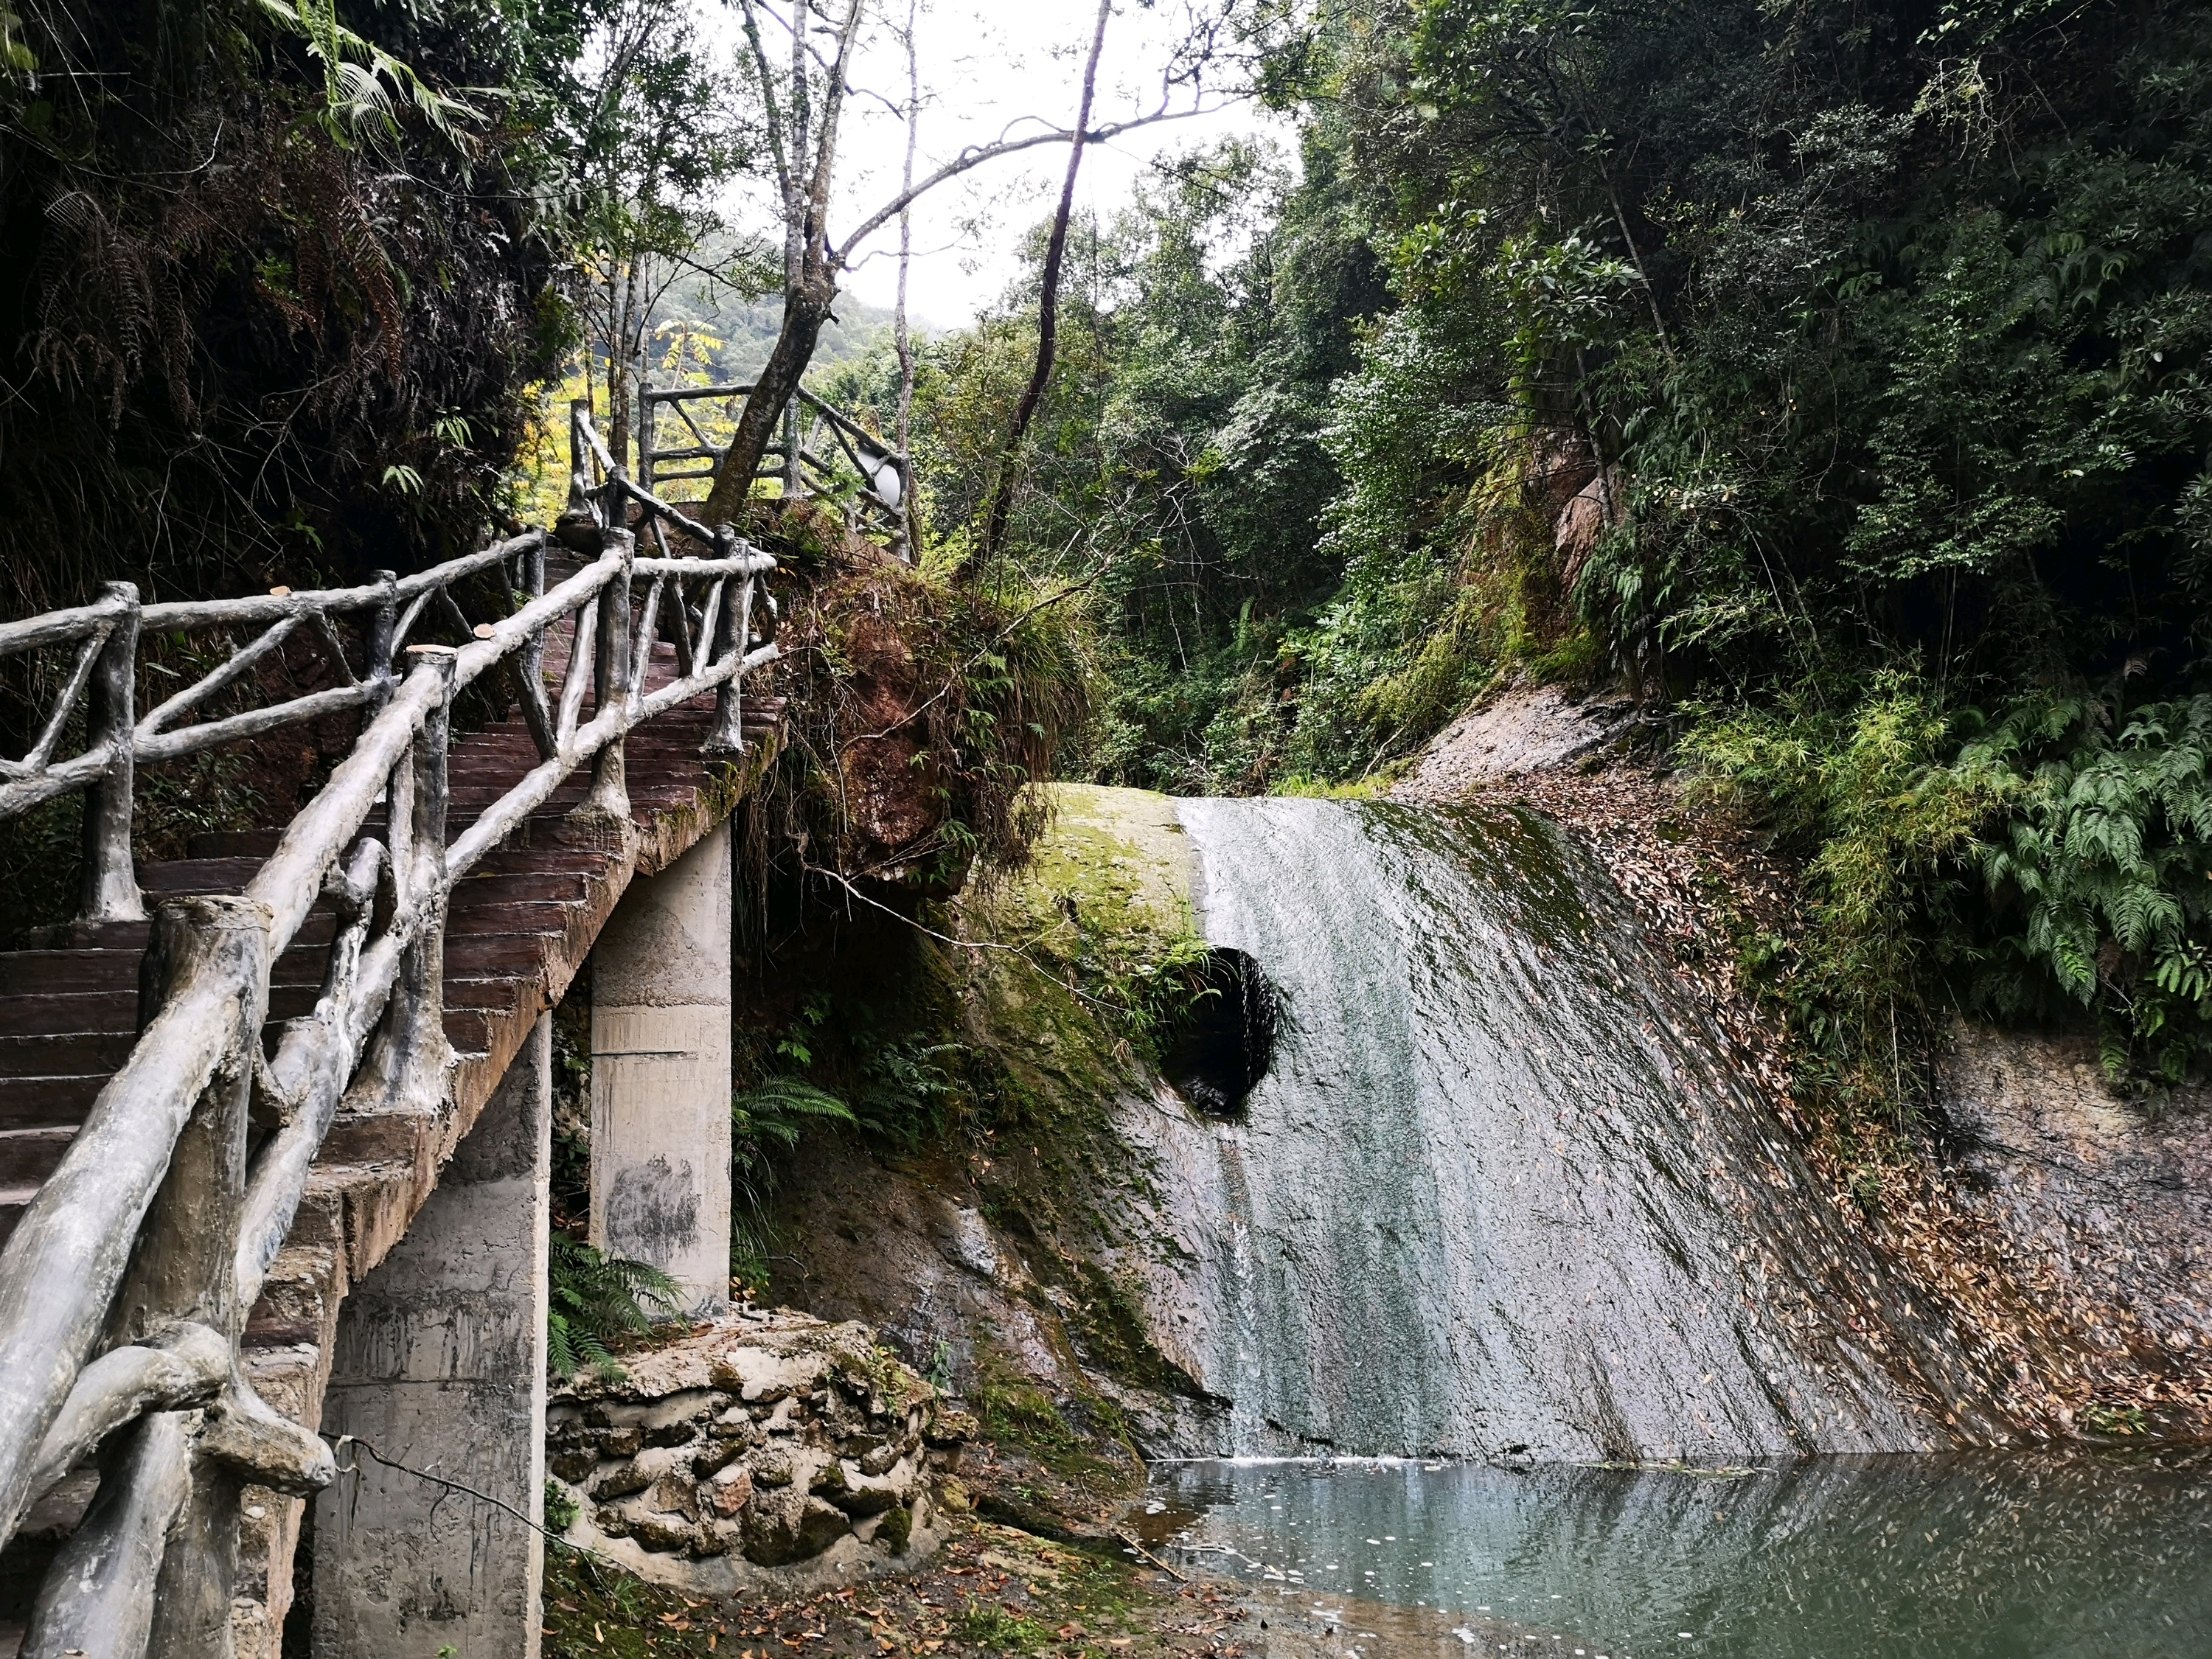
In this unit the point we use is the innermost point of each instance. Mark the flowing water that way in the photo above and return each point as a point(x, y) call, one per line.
point(1982, 1557)
point(1502, 1192)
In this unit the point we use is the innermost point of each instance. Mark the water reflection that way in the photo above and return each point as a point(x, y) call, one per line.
point(2018, 1557)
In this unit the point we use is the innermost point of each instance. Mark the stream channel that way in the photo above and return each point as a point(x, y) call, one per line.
point(1984, 1556)
point(1532, 1330)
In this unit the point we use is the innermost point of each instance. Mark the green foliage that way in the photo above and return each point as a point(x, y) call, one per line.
point(365, 88)
point(2105, 868)
point(598, 1300)
point(1017, 1414)
point(774, 1112)
point(1882, 338)
point(1888, 817)
point(921, 712)
point(766, 1121)
point(995, 1628)
point(1180, 443)
point(595, 1610)
point(2088, 824)
point(271, 257)
point(561, 1507)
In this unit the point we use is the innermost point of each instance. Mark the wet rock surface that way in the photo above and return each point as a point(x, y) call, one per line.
point(1503, 1194)
point(2099, 1206)
point(2052, 1232)
point(763, 1451)
point(1520, 1046)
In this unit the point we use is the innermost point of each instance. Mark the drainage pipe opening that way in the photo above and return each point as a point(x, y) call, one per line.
point(1225, 1039)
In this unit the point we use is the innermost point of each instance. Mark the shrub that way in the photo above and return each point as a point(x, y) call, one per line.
point(595, 1301)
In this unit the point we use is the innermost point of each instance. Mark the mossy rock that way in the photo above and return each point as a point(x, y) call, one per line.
point(895, 1531)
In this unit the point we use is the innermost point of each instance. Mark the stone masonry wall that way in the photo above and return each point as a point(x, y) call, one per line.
point(765, 1452)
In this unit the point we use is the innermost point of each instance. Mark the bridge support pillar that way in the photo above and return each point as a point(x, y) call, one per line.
point(439, 1364)
point(660, 1074)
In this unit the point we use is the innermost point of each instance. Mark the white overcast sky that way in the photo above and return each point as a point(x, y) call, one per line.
point(986, 63)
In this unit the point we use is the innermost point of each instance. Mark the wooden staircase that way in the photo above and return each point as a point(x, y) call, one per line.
point(518, 929)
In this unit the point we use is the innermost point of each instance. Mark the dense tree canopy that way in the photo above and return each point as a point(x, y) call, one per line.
point(275, 287)
point(1832, 376)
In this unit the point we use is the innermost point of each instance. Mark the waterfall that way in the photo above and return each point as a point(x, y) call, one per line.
point(1501, 1193)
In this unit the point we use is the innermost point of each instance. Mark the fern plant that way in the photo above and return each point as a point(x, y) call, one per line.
point(2089, 824)
point(2106, 862)
point(367, 89)
point(597, 1299)
point(1888, 828)
point(764, 1120)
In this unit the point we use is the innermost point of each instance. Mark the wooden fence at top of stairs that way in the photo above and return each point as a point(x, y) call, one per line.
point(214, 1116)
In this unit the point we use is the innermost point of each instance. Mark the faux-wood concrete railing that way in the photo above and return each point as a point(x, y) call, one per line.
point(124, 1287)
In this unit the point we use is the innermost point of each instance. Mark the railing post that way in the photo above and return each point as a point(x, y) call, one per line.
point(578, 525)
point(110, 889)
point(727, 735)
point(432, 745)
point(424, 972)
point(646, 441)
point(530, 661)
point(407, 1054)
point(72, 1248)
point(185, 1268)
point(610, 796)
point(581, 458)
point(794, 478)
point(376, 657)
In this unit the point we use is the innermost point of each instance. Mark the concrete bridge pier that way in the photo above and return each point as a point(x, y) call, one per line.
point(660, 1074)
point(439, 1364)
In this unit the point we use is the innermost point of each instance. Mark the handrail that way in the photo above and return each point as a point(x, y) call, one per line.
point(104, 685)
point(149, 1240)
point(884, 477)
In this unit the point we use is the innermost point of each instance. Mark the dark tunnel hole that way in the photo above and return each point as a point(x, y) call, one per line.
point(1225, 1041)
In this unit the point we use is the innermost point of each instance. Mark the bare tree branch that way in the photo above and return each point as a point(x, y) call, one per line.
point(977, 155)
point(1002, 487)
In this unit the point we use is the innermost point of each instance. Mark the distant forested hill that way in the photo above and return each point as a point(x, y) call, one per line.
point(700, 326)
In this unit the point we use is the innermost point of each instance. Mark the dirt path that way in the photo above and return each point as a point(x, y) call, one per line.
point(993, 1589)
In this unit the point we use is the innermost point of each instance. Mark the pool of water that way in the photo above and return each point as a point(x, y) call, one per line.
point(2013, 1557)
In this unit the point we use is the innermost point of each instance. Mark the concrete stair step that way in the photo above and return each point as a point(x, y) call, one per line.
point(55, 973)
point(42, 1104)
point(66, 1054)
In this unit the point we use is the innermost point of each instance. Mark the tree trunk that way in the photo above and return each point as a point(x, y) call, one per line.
point(625, 348)
point(994, 525)
point(804, 310)
point(901, 337)
point(811, 280)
